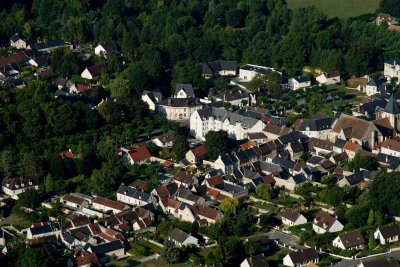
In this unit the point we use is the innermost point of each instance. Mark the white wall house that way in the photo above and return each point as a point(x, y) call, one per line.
point(43, 230)
point(292, 217)
point(328, 78)
point(248, 72)
point(392, 68)
point(133, 196)
point(301, 258)
point(300, 82)
point(391, 147)
point(237, 126)
point(17, 42)
point(74, 202)
point(177, 109)
point(181, 238)
point(387, 235)
point(15, 186)
point(352, 240)
point(324, 222)
point(104, 204)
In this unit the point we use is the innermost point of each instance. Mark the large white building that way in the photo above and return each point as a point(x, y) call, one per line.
point(392, 68)
point(213, 119)
point(15, 186)
point(178, 108)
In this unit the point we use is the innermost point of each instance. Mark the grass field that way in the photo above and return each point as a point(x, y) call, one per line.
point(338, 8)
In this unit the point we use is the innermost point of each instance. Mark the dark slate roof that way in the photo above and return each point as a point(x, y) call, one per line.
point(289, 138)
point(301, 79)
point(133, 193)
point(388, 262)
point(318, 122)
point(47, 228)
point(178, 235)
point(303, 255)
point(390, 231)
point(257, 261)
point(226, 159)
point(393, 61)
point(188, 88)
point(15, 38)
point(353, 239)
point(242, 156)
point(373, 106)
point(68, 238)
point(299, 178)
point(392, 161)
point(180, 102)
point(106, 247)
point(109, 46)
point(291, 214)
point(284, 163)
point(392, 106)
point(296, 147)
point(340, 143)
point(218, 65)
point(315, 159)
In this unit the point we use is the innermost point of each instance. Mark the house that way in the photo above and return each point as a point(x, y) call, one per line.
point(205, 214)
point(391, 147)
point(237, 99)
point(358, 131)
point(217, 186)
point(18, 185)
point(391, 68)
point(292, 217)
point(39, 61)
point(183, 91)
point(301, 258)
point(213, 119)
point(45, 73)
point(273, 131)
point(105, 49)
point(17, 42)
point(107, 250)
point(226, 163)
point(320, 147)
point(323, 222)
point(82, 258)
point(184, 179)
point(42, 230)
point(387, 262)
point(94, 71)
point(165, 191)
point(318, 126)
point(355, 179)
point(258, 138)
point(390, 163)
point(131, 219)
point(181, 238)
point(332, 77)
point(290, 182)
point(46, 46)
point(351, 149)
point(388, 234)
point(249, 71)
point(255, 261)
point(138, 154)
point(177, 109)
point(375, 86)
point(133, 196)
point(385, 19)
point(196, 154)
point(73, 201)
point(152, 98)
point(164, 141)
point(104, 204)
point(218, 68)
point(353, 240)
point(300, 82)
point(187, 196)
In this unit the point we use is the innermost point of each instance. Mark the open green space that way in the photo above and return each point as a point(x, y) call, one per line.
point(338, 8)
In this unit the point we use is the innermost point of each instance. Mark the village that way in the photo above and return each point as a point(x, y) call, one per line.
point(278, 162)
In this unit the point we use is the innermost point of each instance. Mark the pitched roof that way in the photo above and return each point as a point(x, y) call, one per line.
point(14, 59)
point(73, 199)
point(133, 193)
point(303, 255)
point(215, 180)
point(352, 239)
point(82, 257)
point(351, 126)
point(199, 151)
point(387, 262)
point(188, 88)
point(332, 74)
point(257, 261)
point(178, 235)
point(391, 144)
point(390, 231)
point(324, 220)
point(351, 146)
point(205, 211)
point(291, 215)
point(107, 247)
point(97, 70)
point(18, 182)
point(110, 203)
point(139, 153)
point(392, 107)
point(318, 122)
point(183, 177)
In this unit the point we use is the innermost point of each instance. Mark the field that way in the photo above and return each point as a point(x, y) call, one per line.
point(338, 8)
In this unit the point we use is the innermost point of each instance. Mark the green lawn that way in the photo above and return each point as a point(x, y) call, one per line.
point(338, 8)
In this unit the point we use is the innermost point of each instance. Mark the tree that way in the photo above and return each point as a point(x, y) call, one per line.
point(229, 205)
point(371, 217)
point(383, 192)
point(371, 241)
point(264, 191)
point(48, 183)
point(180, 147)
point(332, 195)
point(211, 259)
point(252, 248)
point(216, 143)
point(235, 18)
point(120, 88)
point(170, 253)
point(362, 162)
point(28, 199)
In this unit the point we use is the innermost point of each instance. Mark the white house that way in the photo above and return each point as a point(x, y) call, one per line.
point(324, 222)
point(388, 234)
point(226, 163)
point(375, 86)
point(94, 71)
point(181, 238)
point(15, 186)
point(42, 230)
point(17, 42)
point(108, 249)
point(133, 196)
point(183, 90)
point(214, 119)
point(391, 68)
point(218, 68)
point(391, 147)
point(301, 258)
point(255, 261)
point(106, 49)
point(292, 217)
point(318, 126)
point(104, 204)
point(73, 201)
point(177, 109)
point(164, 141)
point(352, 240)
point(328, 78)
point(300, 82)
point(248, 72)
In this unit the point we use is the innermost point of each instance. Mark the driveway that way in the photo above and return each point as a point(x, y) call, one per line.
point(288, 240)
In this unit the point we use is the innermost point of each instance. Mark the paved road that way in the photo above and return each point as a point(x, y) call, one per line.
point(291, 240)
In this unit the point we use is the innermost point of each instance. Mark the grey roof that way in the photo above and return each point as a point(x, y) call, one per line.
point(180, 102)
point(188, 88)
point(392, 161)
point(315, 159)
point(285, 163)
point(186, 194)
point(259, 135)
point(222, 115)
point(46, 228)
point(358, 177)
point(388, 262)
point(373, 106)
point(299, 178)
point(269, 167)
point(301, 79)
point(133, 193)
point(257, 261)
point(318, 122)
point(106, 247)
point(296, 147)
point(68, 238)
point(393, 61)
point(392, 106)
point(390, 231)
point(109, 46)
point(289, 138)
point(218, 65)
point(178, 235)
point(15, 38)
point(232, 96)
point(302, 256)
point(340, 143)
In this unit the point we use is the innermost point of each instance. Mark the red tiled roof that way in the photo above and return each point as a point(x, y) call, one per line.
point(82, 257)
point(205, 211)
point(82, 87)
point(67, 154)
point(107, 237)
point(199, 151)
point(215, 180)
point(168, 163)
point(395, 28)
point(248, 144)
point(391, 144)
point(327, 164)
point(109, 203)
point(73, 199)
point(332, 74)
point(13, 59)
point(351, 146)
point(139, 153)
point(183, 177)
